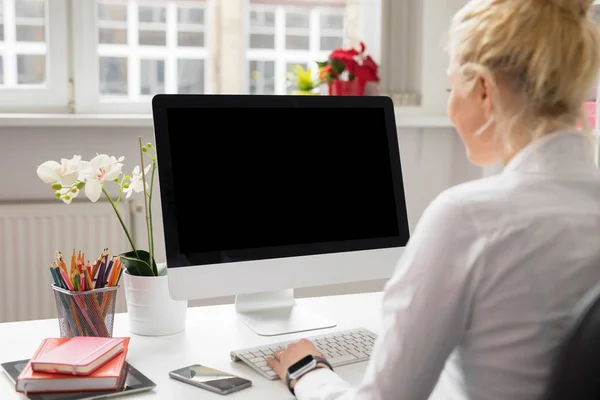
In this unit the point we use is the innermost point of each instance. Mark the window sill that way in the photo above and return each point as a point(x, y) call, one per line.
point(422, 121)
point(75, 120)
point(404, 119)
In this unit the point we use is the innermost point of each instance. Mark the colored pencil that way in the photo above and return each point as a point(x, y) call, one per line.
point(86, 317)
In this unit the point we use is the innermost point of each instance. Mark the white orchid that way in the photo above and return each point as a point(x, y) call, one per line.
point(137, 183)
point(69, 177)
point(66, 173)
point(98, 170)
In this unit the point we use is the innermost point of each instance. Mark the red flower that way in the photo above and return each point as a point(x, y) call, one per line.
point(370, 69)
point(343, 55)
point(354, 61)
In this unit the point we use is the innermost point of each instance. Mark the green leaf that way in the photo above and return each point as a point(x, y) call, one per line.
point(139, 263)
point(337, 66)
point(322, 64)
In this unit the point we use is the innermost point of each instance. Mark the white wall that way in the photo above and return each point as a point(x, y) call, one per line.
point(432, 160)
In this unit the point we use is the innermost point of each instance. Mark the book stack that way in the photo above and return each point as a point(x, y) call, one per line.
point(77, 364)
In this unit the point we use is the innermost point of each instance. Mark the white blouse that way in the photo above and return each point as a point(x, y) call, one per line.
point(485, 289)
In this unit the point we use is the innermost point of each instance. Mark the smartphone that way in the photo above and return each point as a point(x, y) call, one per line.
point(210, 379)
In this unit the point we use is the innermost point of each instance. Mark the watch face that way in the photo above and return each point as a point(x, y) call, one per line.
point(300, 364)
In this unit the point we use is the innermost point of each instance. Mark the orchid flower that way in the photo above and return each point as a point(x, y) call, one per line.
point(66, 173)
point(98, 170)
point(70, 176)
point(137, 184)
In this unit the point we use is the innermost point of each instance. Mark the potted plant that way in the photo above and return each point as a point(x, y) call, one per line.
point(302, 81)
point(151, 310)
point(348, 71)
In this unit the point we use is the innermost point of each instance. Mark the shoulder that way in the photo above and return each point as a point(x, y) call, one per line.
point(465, 198)
point(474, 199)
point(480, 191)
point(466, 211)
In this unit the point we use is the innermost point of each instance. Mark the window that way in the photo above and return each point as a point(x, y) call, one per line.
point(113, 56)
point(143, 48)
point(282, 36)
point(28, 30)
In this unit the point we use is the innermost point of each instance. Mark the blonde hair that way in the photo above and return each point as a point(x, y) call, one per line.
point(547, 52)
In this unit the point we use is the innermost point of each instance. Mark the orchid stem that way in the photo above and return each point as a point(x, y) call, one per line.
point(151, 230)
point(120, 220)
point(147, 215)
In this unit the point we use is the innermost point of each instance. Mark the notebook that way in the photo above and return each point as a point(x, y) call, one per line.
point(132, 381)
point(80, 355)
point(105, 378)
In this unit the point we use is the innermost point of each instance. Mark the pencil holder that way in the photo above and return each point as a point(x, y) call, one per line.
point(87, 313)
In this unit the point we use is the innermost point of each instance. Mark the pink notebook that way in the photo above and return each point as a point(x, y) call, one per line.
point(80, 355)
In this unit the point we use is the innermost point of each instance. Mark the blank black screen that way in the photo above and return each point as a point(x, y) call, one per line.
point(252, 178)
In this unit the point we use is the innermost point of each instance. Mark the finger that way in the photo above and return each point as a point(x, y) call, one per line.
point(277, 354)
point(274, 365)
point(322, 356)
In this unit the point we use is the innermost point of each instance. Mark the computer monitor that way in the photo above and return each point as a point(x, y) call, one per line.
point(264, 194)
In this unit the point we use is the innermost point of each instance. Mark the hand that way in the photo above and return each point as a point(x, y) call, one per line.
point(283, 359)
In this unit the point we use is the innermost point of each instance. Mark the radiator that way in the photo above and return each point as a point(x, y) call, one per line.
point(30, 233)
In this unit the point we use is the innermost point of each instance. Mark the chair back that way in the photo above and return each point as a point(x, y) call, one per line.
point(576, 371)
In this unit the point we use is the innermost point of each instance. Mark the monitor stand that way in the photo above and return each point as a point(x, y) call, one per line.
point(276, 313)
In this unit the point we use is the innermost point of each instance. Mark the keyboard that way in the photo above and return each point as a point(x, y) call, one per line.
point(340, 348)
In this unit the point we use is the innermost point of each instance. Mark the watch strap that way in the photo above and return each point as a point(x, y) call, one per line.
point(319, 360)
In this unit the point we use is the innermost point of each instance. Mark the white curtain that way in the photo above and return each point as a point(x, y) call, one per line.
point(401, 25)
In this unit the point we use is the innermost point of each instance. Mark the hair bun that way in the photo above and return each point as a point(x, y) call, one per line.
point(578, 8)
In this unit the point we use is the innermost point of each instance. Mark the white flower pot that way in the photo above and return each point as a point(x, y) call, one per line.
point(150, 308)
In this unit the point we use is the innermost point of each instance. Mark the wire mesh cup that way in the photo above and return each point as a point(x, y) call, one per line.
point(88, 313)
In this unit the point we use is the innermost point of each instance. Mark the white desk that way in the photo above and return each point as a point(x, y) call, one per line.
point(211, 333)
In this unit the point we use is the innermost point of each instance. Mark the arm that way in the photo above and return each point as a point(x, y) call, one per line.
point(425, 313)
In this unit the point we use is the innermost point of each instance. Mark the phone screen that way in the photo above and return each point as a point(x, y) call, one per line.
point(219, 380)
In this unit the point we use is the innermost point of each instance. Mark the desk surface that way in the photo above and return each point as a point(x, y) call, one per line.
point(211, 333)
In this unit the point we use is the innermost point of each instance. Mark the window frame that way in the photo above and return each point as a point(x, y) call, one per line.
point(76, 59)
point(53, 95)
point(85, 54)
point(280, 55)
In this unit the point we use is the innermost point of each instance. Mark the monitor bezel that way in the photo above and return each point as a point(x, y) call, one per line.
point(175, 259)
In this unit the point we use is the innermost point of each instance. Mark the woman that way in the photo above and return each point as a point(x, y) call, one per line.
point(484, 292)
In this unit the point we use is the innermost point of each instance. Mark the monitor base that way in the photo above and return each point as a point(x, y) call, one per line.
point(276, 313)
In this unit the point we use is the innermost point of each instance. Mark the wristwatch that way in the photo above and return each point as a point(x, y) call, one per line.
point(303, 366)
